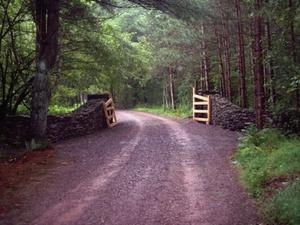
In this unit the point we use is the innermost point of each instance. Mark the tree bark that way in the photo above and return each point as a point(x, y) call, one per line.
point(227, 58)
point(292, 32)
point(241, 57)
point(47, 23)
point(258, 69)
point(171, 88)
point(165, 95)
point(205, 61)
point(269, 71)
point(293, 47)
point(221, 63)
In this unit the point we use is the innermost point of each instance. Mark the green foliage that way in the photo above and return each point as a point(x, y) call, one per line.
point(253, 161)
point(285, 207)
point(17, 55)
point(23, 110)
point(99, 56)
point(130, 55)
point(266, 139)
point(287, 119)
point(183, 111)
point(61, 110)
point(264, 157)
point(285, 160)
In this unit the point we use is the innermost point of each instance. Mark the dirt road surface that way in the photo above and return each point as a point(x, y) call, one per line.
point(147, 170)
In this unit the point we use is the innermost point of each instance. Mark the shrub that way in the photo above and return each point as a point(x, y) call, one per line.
point(267, 156)
point(284, 208)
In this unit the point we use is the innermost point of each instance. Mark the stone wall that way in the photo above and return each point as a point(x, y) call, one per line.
point(85, 120)
point(228, 115)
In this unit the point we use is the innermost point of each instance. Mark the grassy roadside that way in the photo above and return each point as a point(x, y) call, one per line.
point(269, 166)
point(179, 112)
point(61, 110)
point(52, 110)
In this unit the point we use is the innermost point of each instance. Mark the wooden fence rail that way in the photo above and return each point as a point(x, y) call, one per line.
point(201, 108)
point(109, 112)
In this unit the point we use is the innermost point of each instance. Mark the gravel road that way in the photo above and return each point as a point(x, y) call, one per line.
point(146, 170)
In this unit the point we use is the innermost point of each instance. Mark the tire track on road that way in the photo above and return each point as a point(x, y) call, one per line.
point(148, 170)
point(186, 161)
point(69, 210)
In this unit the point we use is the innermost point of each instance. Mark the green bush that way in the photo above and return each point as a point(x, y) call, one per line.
point(287, 119)
point(284, 208)
point(286, 159)
point(264, 157)
point(266, 139)
point(254, 175)
point(60, 110)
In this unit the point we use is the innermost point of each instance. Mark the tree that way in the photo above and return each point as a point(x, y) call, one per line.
point(47, 22)
point(241, 56)
point(206, 85)
point(16, 55)
point(217, 53)
point(258, 70)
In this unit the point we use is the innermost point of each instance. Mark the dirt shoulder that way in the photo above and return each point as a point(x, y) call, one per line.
point(16, 172)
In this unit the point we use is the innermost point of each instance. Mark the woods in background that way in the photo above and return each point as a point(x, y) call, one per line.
point(57, 50)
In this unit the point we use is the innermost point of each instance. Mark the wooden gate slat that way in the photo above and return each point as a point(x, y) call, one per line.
point(109, 113)
point(201, 115)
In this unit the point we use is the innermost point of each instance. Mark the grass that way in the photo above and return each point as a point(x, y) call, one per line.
point(182, 111)
point(53, 109)
point(270, 163)
point(61, 110)
point(285, 207)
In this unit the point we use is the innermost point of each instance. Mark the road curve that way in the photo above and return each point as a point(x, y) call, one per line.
point(147, 170)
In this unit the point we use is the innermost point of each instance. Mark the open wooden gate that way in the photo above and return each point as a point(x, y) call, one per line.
point(109, 112)
point(201, 108)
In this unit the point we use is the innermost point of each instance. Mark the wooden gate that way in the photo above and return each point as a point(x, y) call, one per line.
point(201, 108)
point(109, 112)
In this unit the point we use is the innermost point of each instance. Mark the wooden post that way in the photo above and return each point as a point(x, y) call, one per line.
point(209, 110)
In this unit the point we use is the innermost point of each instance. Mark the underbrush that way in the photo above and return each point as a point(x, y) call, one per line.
point(61, 110)
point(182, 111)
point(53, 109)
point(284, 208)
point(269, 165)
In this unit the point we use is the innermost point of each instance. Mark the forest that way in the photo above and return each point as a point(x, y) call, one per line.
point(248, 51)
point(53, 53)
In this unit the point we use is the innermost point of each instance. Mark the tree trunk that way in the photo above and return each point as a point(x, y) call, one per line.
point(227, 59)
point(165, 95)
point(47, 22)
point(293, 47)
point(258, 69)
point(205, 61)
point(241, 57)
point(221, 64)
point(39, 105)
point(292, 32)
point(269, 68)
point(171, 88)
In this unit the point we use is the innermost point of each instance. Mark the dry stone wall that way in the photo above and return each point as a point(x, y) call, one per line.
point(85, 120)
point(228, 115)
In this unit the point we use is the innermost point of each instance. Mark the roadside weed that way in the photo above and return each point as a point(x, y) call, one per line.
point(269, 165)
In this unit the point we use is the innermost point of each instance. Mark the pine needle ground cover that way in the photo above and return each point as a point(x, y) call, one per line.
point(269, 166)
